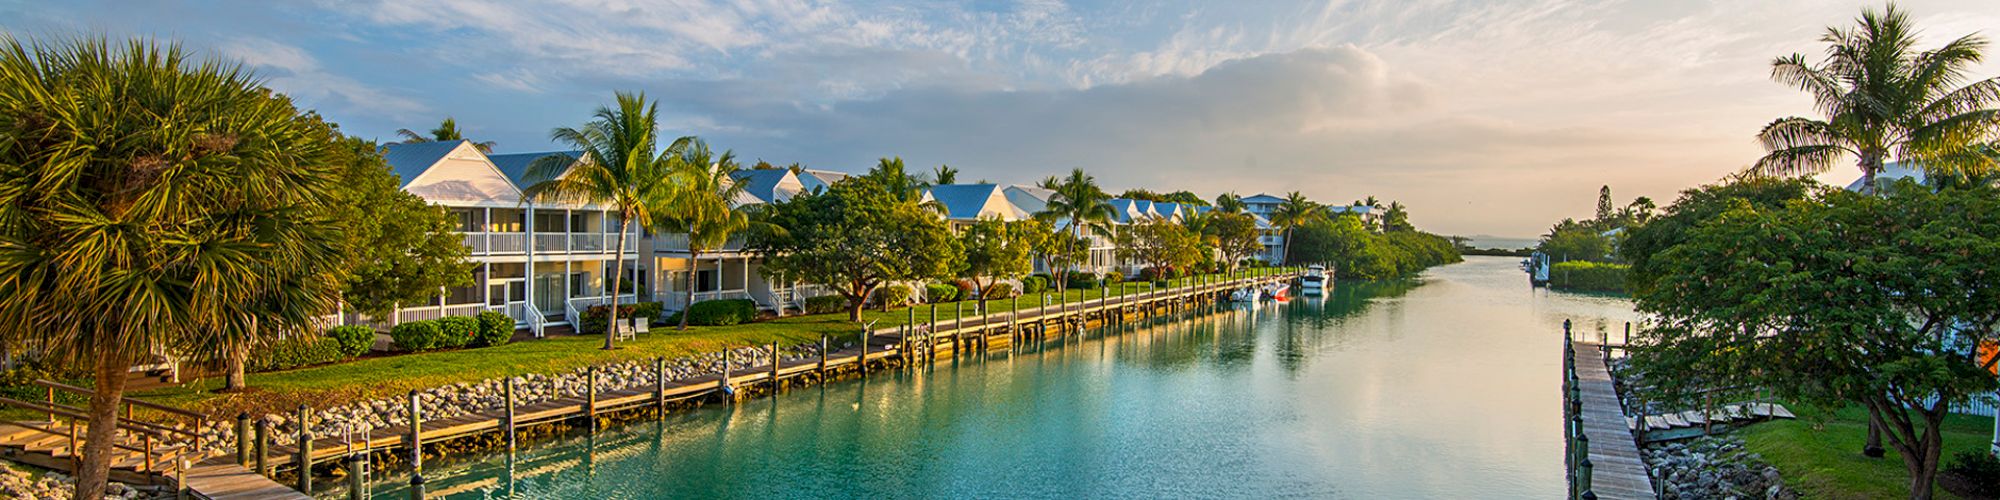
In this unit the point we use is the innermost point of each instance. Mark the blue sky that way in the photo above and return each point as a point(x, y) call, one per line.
point(1487, 117)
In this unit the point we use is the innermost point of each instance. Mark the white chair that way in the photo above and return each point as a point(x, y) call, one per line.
point(623, 329)
point(642, 325)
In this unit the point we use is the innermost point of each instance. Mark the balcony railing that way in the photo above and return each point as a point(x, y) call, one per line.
point(493, 243)
point(574, 242)
point(678, 242)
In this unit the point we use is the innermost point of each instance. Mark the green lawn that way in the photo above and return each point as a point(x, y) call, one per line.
point(385, 376)
point(1827, 463)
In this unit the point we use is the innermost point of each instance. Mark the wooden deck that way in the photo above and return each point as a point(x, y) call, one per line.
point(1617, 472)
point(220, 478)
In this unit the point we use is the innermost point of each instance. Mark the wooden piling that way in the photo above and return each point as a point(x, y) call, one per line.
point(507, 418)
point(264, 447)
point(242, 438)
point(416, 446)
point(823, 344)
point(590, 396)
point(775, 363)
point(660, 385)
point(305, 442)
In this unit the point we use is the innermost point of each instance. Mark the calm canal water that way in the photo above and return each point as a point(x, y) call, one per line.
point(1440, 387)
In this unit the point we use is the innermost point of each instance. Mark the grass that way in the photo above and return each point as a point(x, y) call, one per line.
point(1827, 462)
point(376, 377)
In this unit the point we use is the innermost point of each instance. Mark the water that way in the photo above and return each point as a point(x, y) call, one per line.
point(1440, 387)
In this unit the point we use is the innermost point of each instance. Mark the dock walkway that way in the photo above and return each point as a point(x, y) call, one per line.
point(1617, 472)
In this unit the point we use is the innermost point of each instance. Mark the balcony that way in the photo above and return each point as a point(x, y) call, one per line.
point(678, 242)
point(586, 243)
point(493, 243)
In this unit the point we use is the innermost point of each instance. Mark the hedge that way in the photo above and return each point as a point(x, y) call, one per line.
point(456, 331)
point(998, 291)
point(1588, 276)
point(415, 335)
point(894, 295)
point(723, 312)
point(494, 329)
point(355, 340)
point(295, 352)
point(1034, 284)
point(595, 317)
point(1083, 281)
point(938, 293)
point(825, 304)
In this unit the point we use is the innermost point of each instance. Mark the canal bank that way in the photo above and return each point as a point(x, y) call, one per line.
point(1431, 388)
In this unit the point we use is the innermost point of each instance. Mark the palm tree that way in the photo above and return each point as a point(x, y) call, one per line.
point(1879, 98)
point(151, 200)
point(1080, 201)
point(1230, 203)
point(621, 168)
point(1295, 211)
point(944, 175)
point(703, 204)
point(445, 131)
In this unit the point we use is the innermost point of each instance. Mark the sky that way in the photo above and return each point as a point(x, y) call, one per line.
point(1484, 117)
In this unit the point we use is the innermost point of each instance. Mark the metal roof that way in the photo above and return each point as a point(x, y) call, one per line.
point(410, 159)
point(974, 201)
point(516, 165)
point(1262, 198)
point(768, 186)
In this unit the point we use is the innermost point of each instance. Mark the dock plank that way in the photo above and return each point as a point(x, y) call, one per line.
point(1617, 471)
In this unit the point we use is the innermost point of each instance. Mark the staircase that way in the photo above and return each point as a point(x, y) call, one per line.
point(148, 450)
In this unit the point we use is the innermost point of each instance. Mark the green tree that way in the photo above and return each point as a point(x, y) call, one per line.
point(1230, 203)
point(1882, 98)
point(1186, 198)
point(944, 175)
point(997, 250)
point(400, 249)
point(1605, 208)
point(151, 200)
point(446, 130)
point(1878, 302)
point(702, 205)
point(1293, 212)
point(1234, 235)
point(1397, 218)
point(1699, 205)
point(854, 237)
point(1572, 240)
point(890, 174)
point(1077, 203)
point(1160, 244)
point(621, 168)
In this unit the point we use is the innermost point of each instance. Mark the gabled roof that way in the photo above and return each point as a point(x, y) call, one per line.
point(815, 180)
point(1263, 224)
point(1262, 198)
point(768, 186)
point(1029, 199)
point(1126, 209)
point(1169, 210)
point(976, 201)
point(516, 165)
point(410, 159)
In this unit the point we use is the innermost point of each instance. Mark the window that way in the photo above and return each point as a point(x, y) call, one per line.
point(496, 295)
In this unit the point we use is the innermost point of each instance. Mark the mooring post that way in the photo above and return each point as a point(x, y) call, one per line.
point(722, 384)
point(590, 395)
point(775, 364)
point(823, 344)
point(861, 361)
point(242, 438)
point(264, 447)
point(660, 385)
point(507, 393)
point(416, 447)
point(357, 479)
point(305, 450)
point(1583, 478)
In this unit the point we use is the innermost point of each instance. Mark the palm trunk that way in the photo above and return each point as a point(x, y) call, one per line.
point(235, 379)
point(1871, 163)
point(617, 278)
point(693, 257)
point(1287, 257)
point(103, 432)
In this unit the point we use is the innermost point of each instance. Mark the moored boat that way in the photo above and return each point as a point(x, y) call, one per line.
point(1313, 283)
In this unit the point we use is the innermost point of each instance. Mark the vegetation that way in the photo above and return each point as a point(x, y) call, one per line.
point(1597, 239)
point(1356, 252)
point(1296, 211)
point(446, 130)
point(620, 168)
point(1699, 205)
point(939, 292)
point(296, 352)
point(1839, 271)
point(1077, 203)
point(356, 340)
point(1160, 244)
point(722, 312)
point(596, 318)
point(494, 329)
point(398, 248)
point(1881, 98)
point(894, 295)
point(997, 250)
point(1817, 452)
point(1586, 276)
point(701, 205)
point(854, 237)
point(827, 304)
point(416, 336)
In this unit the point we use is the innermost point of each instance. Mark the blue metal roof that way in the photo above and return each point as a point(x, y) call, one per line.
point(516, 165)
point(963, 201)
point(410, 159)
point(1263, 198)
point(762, 184)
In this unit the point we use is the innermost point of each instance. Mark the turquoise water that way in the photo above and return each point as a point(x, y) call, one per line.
point(1441, 387)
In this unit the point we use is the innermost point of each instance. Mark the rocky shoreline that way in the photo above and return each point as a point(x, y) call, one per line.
point(18, 483)
point(465, 398)
point(1714, 467)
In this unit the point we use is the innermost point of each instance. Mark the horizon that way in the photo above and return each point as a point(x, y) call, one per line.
point(1487, 120)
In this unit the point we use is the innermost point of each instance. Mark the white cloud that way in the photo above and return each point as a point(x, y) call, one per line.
point(291, 70)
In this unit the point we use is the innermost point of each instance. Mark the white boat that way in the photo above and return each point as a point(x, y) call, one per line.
point(1313, 283)
point(1278, 291)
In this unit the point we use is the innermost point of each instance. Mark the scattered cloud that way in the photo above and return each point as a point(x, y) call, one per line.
point(290, 68)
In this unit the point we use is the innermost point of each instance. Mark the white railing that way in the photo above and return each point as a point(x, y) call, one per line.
point(418, 314)
point(678, 242)
point(506, 242)
point(587, 242)
point(535, 319)
point(464, 310)
point(1981, 406)
point(551, 243)
point(570, 314)
point(475, 243)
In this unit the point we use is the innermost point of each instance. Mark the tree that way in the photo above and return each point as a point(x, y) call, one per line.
point(400, 249)
point(446, 130)
point(854, 237)
point(1572, 240)
point(1605, 209)
point(1161, 244)
point(1185, 198)
point(152, 201)
point(890, 174)
point(702, 205)
point(1235, 236)
point(1229, 203)
point(1699, 205)
point(1879, 98)
point(997, 250)
point(621, 168)
point(1142, 194)
point(1293, 212)
point(944, 175)
point(1878, 302)
point(1397, 218)
point(1077, 202)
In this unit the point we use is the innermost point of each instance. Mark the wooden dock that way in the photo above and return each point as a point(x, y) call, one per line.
point(907, 344)
point(1617, 471)
point(220, 478)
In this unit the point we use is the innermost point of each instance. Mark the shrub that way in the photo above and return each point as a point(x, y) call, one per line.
point(1083, 281)
point(415, 335)
point(295, 352)
point(494, 329)
point(720, 312)
point(939, 292)
point(966, 290)
point(1114, 277)
point(1034, 284)
point(999, 290)
point(595, 317)
point(456, 331)
point(1588, 276)
point(894, 295)
point(1979, 469)
point(1162, 284)
point(825, 304)
point(355, 340)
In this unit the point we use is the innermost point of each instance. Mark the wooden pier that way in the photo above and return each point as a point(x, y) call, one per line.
point(1604, 457)
point(907, 344)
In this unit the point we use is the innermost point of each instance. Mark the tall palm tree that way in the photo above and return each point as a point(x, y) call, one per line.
point(1293, 212)
point(944, 175)
point(1080, 201)
point(1230, 203)
point(150, 200)
point(445, 131)
point(703, 204)
point(1880, 98)
point(621, 168)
